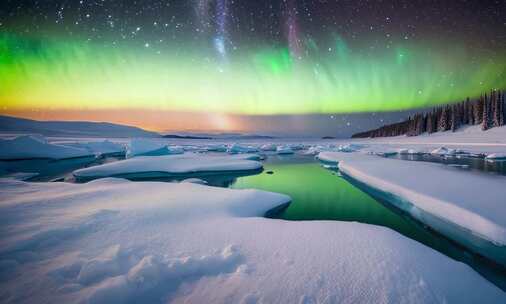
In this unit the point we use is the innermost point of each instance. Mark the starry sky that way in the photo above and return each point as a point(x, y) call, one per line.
point(327, 66)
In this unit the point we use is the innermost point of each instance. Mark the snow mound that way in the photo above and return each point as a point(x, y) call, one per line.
point(236, 148)
point(115, 241)
point(145, 146)
point(284, 150)
point(296, 147)
point(216, 148)
point(473, 218)
point(168, 165)
point(349, 147)
point(32, 147)
point(268, 147)
point(443, 151)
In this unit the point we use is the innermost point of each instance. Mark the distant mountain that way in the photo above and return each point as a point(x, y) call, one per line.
point(185, 136)
point(14, 125)
point(222, 136)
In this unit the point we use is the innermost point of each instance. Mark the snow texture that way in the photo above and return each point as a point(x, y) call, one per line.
point(114, 241)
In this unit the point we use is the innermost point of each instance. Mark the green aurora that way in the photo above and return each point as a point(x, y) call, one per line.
point(38, 73)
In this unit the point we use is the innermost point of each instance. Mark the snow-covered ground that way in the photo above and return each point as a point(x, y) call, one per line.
point(111, 240)
point(471, 138)
point(115, 241)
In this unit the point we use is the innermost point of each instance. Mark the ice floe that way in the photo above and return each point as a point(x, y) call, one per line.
point(237, 148)
point(146, 146)
point(268, 147)
point(33, 147)
point(465, 206)
point(170, 165)
point(216, 148)
point(284, 150)
point(496, 156)
point(103, 148)
point(175, 150)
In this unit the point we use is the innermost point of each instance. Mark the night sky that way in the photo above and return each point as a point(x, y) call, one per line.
point(229, 61)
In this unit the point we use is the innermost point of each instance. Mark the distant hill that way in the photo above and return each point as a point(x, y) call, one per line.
point(14, 125)
point(184, 136)
point(220, 136)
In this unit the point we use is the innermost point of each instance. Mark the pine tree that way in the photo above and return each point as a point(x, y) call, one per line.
point(470, 112)
point(485, 123)
point(497, 109)
point(479, 111)
point(502, 111)
point(453, 119)
point(465, 112)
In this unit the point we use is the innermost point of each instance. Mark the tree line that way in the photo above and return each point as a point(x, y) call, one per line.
point(488, 111)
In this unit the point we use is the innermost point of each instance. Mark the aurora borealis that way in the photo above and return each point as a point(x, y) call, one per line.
point(241, 58)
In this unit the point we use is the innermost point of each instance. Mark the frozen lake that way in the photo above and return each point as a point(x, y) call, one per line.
point(317, 193)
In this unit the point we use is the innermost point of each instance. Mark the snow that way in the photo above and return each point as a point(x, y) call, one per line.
point(216, 148)
point(409, 151)
point(31, 147)
point(349, 147)
point(105, 147)
point(194, 181)
point(423, 189)
point(175, 150)
point(443, 151)
point(237, 148)
point(169, 165)
point(496, 156)
point(145, 146)
point(115, 241)
point(268, 147)
point(284, 150)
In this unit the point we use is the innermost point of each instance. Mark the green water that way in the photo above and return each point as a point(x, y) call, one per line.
point(321, 194)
